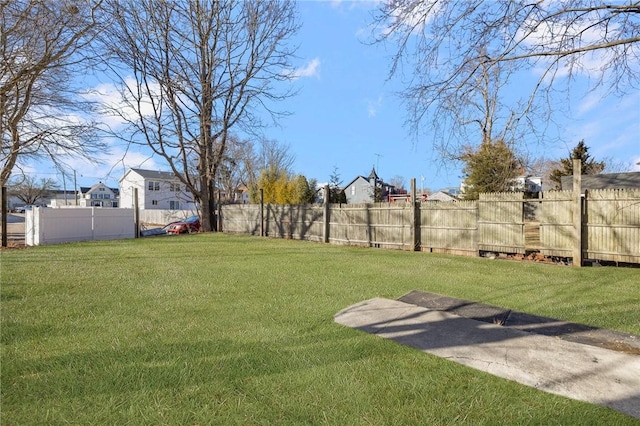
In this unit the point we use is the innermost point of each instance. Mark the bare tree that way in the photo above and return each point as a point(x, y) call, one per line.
point(29, 190)
point(43, 45)
point(199, 69)
point(398, 182)
point(232, 172)
point(541, 167)
point(449, 45)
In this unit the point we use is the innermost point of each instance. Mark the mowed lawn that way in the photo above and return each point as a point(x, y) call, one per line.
point(223, 330)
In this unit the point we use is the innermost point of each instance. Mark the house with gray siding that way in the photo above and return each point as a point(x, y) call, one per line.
point(362, 189)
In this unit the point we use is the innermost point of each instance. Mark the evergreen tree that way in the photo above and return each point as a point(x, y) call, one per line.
point(589, 165)
point(336, 194)
point(490, 168)
point(299, 190)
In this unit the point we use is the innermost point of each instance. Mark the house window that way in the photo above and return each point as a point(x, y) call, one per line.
point(353, 190)
point(94, 196)
point(101, 189)
point(174, 187)
point(154, 186)
point(174, 205)
point(154, 202)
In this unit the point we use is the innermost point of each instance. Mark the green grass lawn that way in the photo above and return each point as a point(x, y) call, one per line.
point(220, 329)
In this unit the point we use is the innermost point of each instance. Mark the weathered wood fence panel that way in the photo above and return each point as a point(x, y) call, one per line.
point(348, 225)
point(555, 215)
point(501, 222)
point(374, 225)
point(298, 222)
point(449, 227)
point(241, 218)
point(612, 225)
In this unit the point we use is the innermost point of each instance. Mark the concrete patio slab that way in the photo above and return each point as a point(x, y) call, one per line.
point(575, 370)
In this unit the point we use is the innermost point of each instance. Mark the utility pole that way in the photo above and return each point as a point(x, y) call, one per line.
point(64, 186)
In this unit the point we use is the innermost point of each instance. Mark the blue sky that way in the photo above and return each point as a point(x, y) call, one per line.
point(348, 116)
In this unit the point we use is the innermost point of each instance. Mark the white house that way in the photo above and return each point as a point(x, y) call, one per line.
point(98, 195)
point(59, 198)
point(156, 190)
point(528, 183)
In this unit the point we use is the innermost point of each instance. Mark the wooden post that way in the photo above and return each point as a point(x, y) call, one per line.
point(261, 212)
point(325, 215)
point(415, 217)
point(577, 213)
point(136, 213)
point(4, 216)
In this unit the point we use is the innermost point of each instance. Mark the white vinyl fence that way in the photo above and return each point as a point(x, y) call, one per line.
point(61, 225)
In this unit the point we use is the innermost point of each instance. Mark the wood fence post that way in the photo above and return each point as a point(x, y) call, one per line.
point(261, 212)
point(415, 217)
point(325, 215)
point(577, 213)
point(136, 213)
point(4, 216)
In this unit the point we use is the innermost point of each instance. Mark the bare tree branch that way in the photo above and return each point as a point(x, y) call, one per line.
point(43, 45)
point(443, 47)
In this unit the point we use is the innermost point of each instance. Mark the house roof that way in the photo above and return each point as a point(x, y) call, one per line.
point(355, 179)
point(85, 189)
point(629, 180)
point(372, 175)
point(441, 196)
point(151, 174)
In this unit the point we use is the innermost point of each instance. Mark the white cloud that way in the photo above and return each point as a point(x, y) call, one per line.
point(310, 69)
point(352, 4)
point(118, 103)
point(610, 129)
point(374, 106)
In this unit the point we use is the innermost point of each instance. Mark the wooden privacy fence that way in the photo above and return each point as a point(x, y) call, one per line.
point(608, 220)
point(611, 226)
